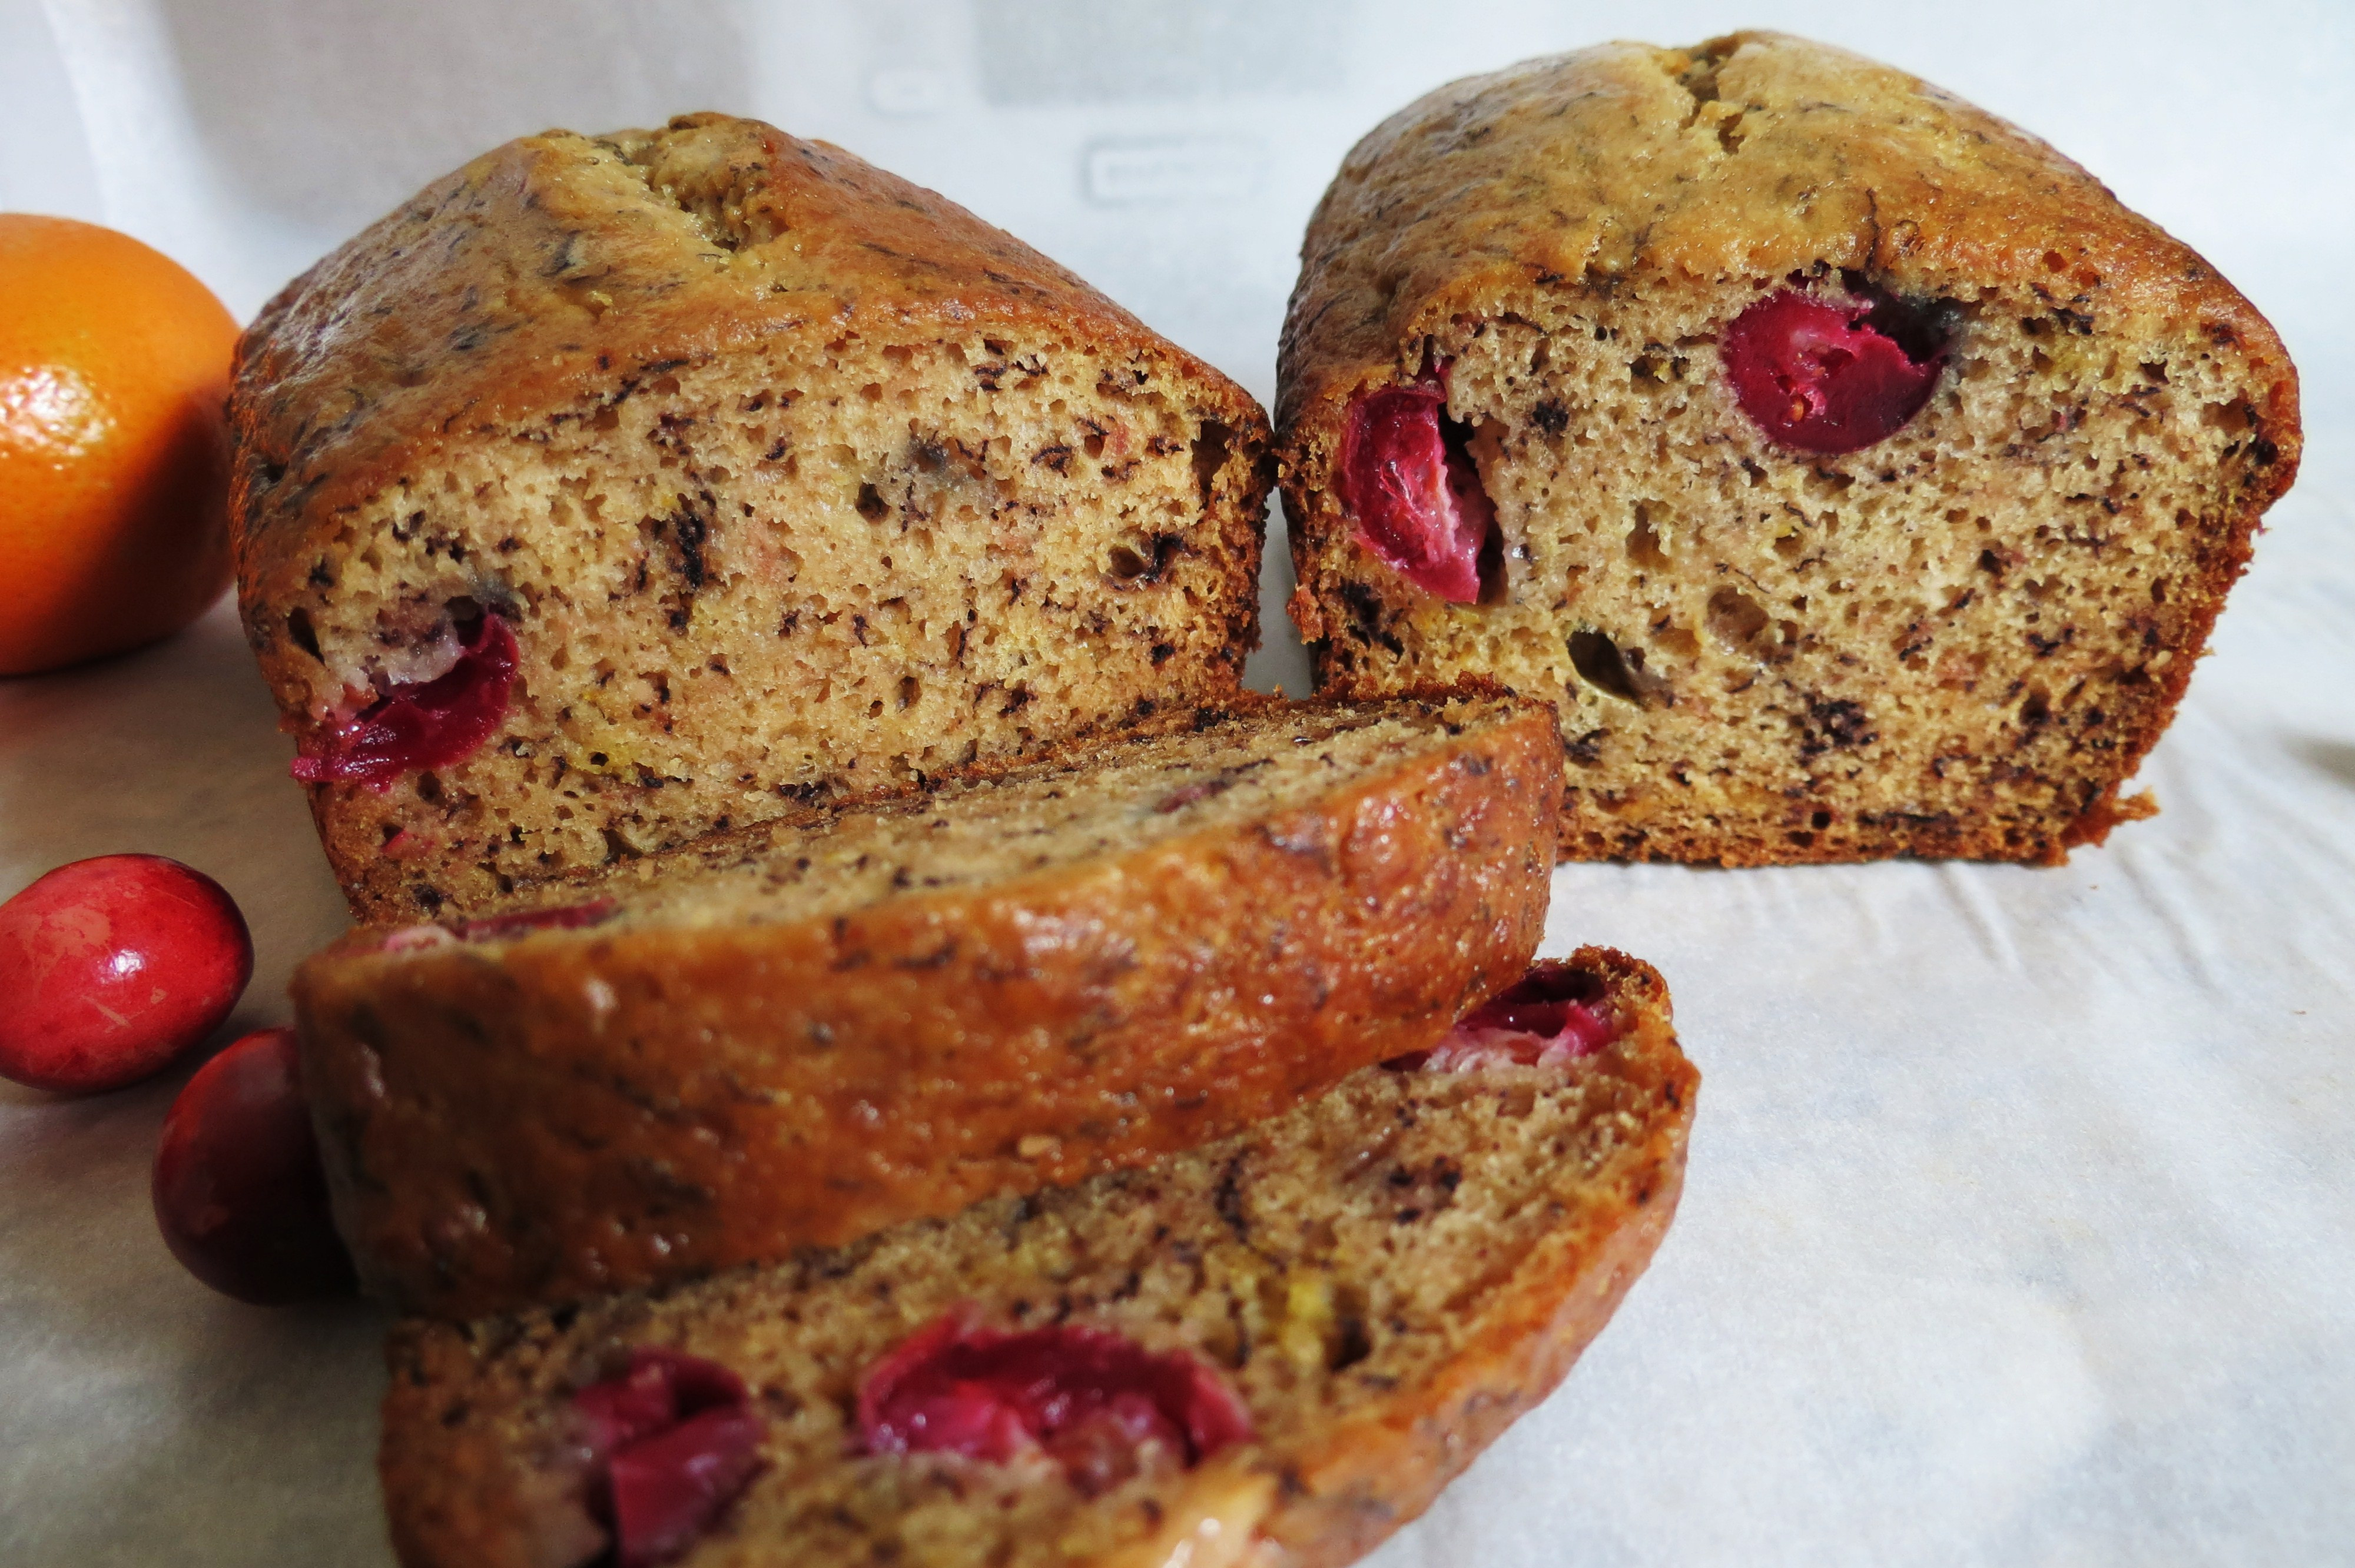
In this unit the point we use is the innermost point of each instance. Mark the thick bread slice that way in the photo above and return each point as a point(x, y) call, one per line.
point(1958, 638)
point(1387, 1276)
point(788, 479)
point(799, 1033)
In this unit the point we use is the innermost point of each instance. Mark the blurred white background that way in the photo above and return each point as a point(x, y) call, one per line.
point(1168, 150)
point(2021, 1222)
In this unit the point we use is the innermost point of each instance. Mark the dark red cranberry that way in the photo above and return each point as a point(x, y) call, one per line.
point(1825, 377)
point(565, 918)
point(1409, 480)
point(499, 928)
point(239, 1192)
point(672, 1441)
point(112, 968)
point(430, 724)
point(1089, 1397)
point(1551, 1014)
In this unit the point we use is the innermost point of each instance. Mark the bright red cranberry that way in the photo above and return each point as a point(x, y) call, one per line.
point(1409, 480)
point(110, 967)
point(1088, 1397)
point(1827, 377)
point(239, 1192)
point(1548, 1017)
point(672, 1441)
point(430, 724)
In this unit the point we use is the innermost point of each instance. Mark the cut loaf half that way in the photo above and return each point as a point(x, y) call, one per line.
point(1853, 471)
point(620, 488)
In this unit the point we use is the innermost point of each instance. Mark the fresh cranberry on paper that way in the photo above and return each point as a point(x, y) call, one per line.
point(110, 967)
point(239, 1192)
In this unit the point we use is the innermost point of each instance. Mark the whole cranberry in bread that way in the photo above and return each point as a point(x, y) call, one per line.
point(1861, 478)
point(619, 489)
point(112, 968)
point(1821, 378)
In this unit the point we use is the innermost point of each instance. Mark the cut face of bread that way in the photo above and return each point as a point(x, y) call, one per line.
point(1852, 471)
point(1381, 1280)
point(619, 489)
point(798, 1034)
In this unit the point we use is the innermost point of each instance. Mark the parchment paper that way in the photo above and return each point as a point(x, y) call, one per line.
point(2020, 1223)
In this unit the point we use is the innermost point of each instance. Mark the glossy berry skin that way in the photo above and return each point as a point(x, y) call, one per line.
point(240, 1194)
point(1823, 377)
point(110, 967)
point(1416, 493)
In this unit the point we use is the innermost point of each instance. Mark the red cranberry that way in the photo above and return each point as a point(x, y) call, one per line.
point(430, 724)
point(1827, 377)
point(112, 968)
point(1409, 480)
point(672, 1441)
point(1549, 1016)
point(498, 927)
point(565, 918)
point(239, 1192)
point(1089, 1397)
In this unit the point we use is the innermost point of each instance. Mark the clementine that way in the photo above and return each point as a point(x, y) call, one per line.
point(113, 455)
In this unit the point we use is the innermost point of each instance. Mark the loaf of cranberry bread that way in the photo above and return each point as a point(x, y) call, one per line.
point(1271, 1350)
point(618, 489)
point(1853, 471)
point(799, 1033)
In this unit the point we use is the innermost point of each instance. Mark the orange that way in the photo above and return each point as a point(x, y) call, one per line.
point(113, 455)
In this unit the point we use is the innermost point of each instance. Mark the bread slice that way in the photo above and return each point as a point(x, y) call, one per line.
point(1381, 1279)
point(1857, 476)
point(618, 489)
point(800, 1032)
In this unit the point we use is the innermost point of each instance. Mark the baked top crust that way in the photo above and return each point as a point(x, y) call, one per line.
point(735, 1063)
point(541, 273)
point(1590, 171)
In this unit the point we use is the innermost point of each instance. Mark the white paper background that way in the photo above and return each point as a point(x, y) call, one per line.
point(2020, 1225)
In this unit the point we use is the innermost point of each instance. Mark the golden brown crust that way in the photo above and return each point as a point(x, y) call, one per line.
point(1592, 170)
point(1613, 171)
point(1343, 1456)
point(533, 290)
point(558, 1119)
point(470, 308)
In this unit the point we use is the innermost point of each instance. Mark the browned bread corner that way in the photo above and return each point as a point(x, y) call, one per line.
point(787, 480)
point(1386, 1276)
point(1770, 641)
point(798, 1034)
